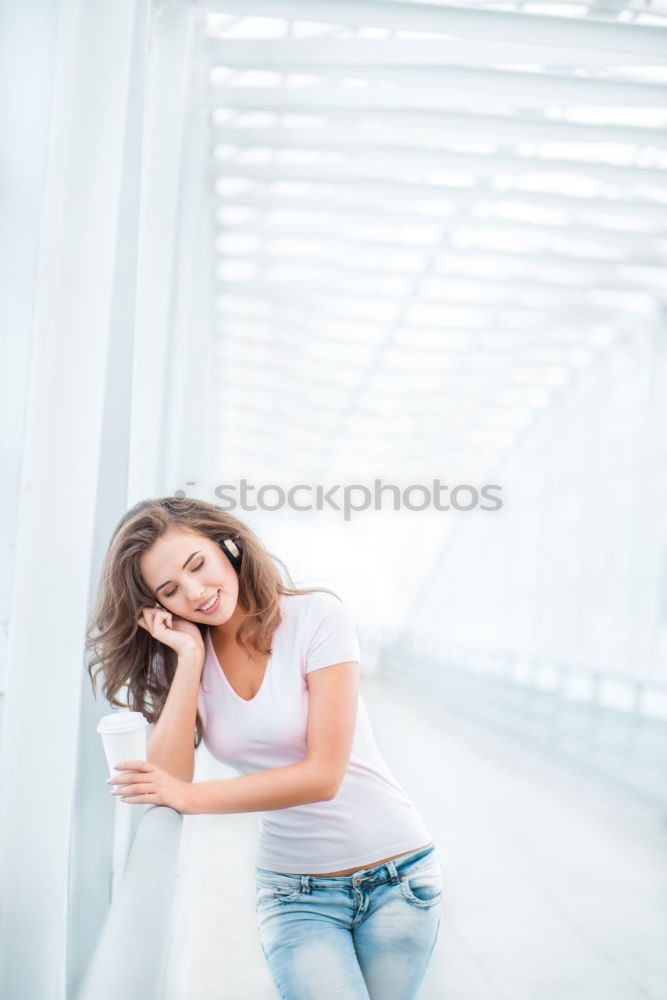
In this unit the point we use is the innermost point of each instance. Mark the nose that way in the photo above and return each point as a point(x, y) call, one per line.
point(196, 595)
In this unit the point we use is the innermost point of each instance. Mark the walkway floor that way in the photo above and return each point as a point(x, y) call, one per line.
point(555, 884)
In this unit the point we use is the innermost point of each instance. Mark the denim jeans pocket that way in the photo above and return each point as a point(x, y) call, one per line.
point(423, 886)
point(287, 895)
point(278, 889)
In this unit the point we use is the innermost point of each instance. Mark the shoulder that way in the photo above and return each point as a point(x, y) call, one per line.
point(312, 601)
point(315, 606)
point(328, 631)
point(316, 613)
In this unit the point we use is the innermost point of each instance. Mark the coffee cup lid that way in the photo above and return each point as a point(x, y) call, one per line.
point(120, 722)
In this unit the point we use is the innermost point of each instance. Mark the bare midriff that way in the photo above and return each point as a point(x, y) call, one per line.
point(372, 864)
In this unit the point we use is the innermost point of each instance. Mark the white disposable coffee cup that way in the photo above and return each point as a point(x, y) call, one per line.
point(124, 737)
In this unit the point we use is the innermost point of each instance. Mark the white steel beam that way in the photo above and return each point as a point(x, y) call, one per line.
point(474, 87)
point(368, 101)
point(365, 436)
point(168, 90)
point(339, 214)
point(74, 445)
point(631, 251)
point(326, 418)
point(290, 55)
point(573, 319)
point(432, 128)
point(378, 160)
point(337, 233)
point(376, 443)
point(328, 414)
point(461, 22)
point(486, 392)
point(383, 192)
point(324, 421)
point(331, 292)
point(497, 338)
point(189, 377)
point(413, 359)
point(363, 207)
point(374, 265)
point(302, 323)
point(243, 451)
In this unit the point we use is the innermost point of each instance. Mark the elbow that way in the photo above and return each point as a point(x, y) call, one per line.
point(330, 790)
point(323, 784)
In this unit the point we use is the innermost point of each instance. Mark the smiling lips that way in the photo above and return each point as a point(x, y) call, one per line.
point(212, 604)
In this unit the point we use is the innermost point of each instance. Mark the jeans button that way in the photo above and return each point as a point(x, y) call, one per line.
point(356, 881)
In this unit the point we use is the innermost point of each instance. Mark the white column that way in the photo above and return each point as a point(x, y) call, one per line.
point(189, 402)
point(70, 447)
point(27, 52)
point(167, 108)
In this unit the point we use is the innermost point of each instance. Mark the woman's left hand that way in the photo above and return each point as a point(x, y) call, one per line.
point(150, 784)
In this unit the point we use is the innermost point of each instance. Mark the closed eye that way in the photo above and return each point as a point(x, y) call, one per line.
point(194, 570)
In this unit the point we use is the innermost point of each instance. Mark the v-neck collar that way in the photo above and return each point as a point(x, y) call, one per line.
point(219, 670)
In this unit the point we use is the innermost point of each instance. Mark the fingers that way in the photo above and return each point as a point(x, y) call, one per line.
point(144, 620)
point(135, 765)
point(132, 785)
point(135, 788)
point(151, 618)
point(130, 774)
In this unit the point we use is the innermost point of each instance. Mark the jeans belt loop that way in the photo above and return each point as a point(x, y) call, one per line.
point(305, 883)
point(391, 867)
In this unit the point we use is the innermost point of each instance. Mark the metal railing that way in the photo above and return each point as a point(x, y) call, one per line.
point(611, 724)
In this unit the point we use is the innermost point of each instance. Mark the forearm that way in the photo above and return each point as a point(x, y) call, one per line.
point(276, 788)
point(171, 743)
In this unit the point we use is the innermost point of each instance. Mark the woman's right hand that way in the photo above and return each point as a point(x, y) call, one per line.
point(179, 634)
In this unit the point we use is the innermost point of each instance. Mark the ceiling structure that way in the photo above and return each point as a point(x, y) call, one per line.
point(427, 219)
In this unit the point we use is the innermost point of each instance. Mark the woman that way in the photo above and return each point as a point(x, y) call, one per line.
point(194, 617)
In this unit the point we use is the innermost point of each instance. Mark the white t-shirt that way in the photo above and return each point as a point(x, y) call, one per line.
point(371, 817)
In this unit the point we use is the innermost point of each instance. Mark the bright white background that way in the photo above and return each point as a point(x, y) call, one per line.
point(323, 243)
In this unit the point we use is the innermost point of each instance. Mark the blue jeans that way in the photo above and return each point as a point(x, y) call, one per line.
point(366, 936)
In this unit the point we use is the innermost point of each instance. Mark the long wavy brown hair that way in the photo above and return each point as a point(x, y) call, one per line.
point(123, 652)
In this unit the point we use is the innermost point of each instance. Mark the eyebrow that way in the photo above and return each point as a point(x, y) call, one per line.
point(183, 567)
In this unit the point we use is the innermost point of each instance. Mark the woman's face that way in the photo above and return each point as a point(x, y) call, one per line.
point(185, 571)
